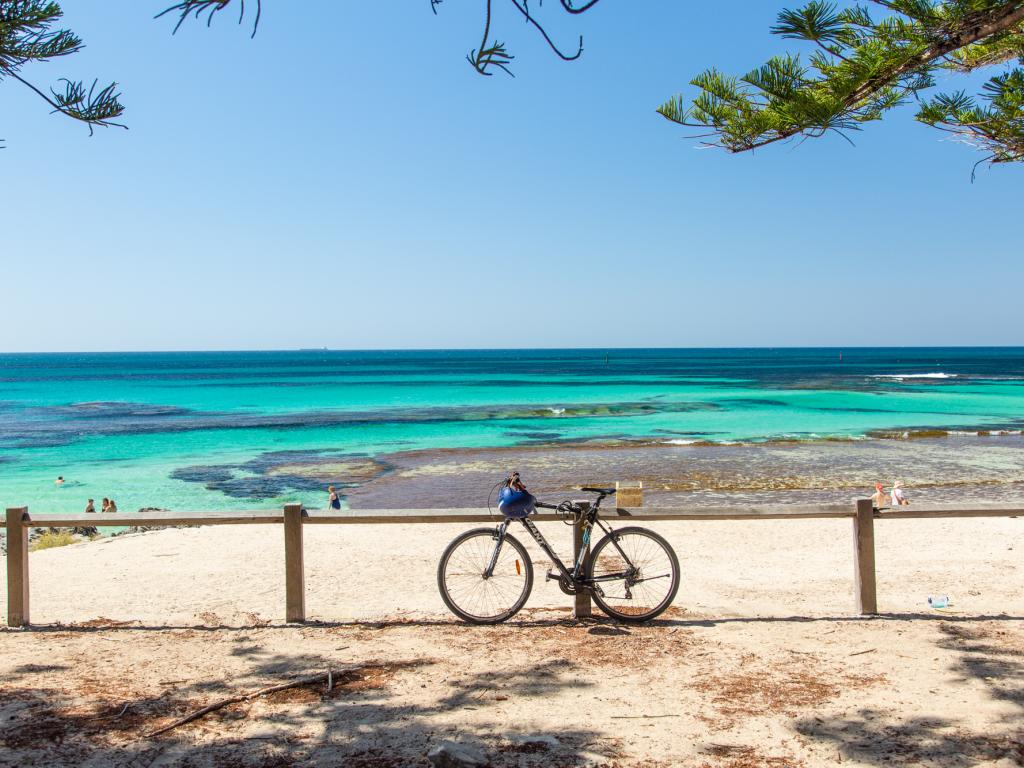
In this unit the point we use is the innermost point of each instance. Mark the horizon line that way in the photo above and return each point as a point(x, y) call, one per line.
point(511, 349)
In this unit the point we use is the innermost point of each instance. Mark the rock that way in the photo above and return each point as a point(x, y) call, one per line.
point(450, 754)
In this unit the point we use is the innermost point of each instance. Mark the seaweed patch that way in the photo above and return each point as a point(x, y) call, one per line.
point(277, 473)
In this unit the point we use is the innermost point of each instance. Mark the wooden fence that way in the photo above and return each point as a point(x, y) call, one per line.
point(293, 518)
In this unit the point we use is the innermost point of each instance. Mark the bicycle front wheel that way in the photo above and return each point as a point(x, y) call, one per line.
point(635, 574)
point(479, 600)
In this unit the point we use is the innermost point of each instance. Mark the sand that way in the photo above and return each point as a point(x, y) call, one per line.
point(760, 663)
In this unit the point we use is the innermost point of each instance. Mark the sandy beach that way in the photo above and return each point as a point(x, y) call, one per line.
point(761, 662)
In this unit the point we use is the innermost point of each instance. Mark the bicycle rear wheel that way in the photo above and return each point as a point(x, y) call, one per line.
point(471, 597)
point(637, 572)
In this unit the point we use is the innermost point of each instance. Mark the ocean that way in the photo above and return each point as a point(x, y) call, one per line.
point(230, 430)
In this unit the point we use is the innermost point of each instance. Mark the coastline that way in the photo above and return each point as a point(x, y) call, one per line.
point(221, 431)
point(937, 470)
point(934, 466)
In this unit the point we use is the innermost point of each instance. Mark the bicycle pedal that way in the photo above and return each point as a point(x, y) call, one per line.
point(550, 575)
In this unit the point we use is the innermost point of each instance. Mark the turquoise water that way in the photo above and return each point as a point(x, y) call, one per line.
point(257, 429)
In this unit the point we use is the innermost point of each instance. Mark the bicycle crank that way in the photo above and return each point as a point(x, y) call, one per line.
point(564, 583)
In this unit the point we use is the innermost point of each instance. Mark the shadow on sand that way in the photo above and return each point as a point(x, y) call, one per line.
point(359, 723)
point(985, 659)
point(521, 621)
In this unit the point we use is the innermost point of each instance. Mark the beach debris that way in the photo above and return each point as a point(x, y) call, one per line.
point(451, 754)
point(329, 675)
point(939, 602)
point(534, 741)
point(861, 653)
point(114, 716)
point(255, 620)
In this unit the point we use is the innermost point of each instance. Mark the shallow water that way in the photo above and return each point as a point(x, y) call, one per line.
point(245, 429)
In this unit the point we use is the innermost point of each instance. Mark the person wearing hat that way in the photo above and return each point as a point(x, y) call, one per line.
point(898, 499)
point(879, 499)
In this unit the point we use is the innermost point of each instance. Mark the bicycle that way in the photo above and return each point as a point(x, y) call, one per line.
point(486, 575)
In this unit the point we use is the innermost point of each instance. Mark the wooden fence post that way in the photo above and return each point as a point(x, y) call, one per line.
point(864, 557)
point(17, 568)
point(294, 569)
point(582, 608)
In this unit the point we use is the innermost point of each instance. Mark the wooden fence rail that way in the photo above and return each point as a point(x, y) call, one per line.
point(293, 519)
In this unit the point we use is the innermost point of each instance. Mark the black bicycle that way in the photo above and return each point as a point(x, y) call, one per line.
point(486, 575)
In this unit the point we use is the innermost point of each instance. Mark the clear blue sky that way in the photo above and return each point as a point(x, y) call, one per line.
point(346, 180)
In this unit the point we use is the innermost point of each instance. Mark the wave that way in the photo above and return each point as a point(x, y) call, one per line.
point(902, 376)
point(924, 433)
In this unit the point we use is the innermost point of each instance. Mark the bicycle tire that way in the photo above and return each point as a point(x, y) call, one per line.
point(473, 558)
point(636, 613)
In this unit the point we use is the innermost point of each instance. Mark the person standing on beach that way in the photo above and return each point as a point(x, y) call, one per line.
point(89, 507)
point(879, 499)
point(898, 498)
point(332, 498)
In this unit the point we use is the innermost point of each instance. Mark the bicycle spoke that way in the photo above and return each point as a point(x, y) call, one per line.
point(641, 580)
point(478, 598)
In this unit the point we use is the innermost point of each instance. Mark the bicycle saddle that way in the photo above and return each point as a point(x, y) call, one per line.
point(604, 491)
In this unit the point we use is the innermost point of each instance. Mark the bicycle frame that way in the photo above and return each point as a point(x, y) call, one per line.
point(574, 576)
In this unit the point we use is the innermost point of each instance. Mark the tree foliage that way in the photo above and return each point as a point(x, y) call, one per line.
point(29, 33)
point(493, 55)
point(865, 61)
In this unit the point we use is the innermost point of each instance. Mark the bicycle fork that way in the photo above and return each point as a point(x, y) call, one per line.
point(500, 536)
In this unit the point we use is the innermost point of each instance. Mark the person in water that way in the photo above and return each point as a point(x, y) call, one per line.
point(90, 507)
point(879, 499)
point(333, 501)
point(59, 480)
point(899, 499)
point(106, 506)
point(112, 507)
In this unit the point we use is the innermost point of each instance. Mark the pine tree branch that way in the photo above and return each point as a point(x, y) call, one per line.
point(97, 109)
point(1009, 18)
point(882, 65)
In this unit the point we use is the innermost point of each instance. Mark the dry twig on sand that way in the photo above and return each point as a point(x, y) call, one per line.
point(861, 653)
point(329, 676)
point(113, 717)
